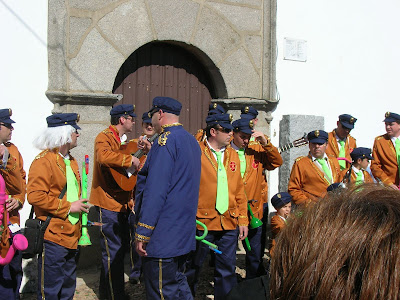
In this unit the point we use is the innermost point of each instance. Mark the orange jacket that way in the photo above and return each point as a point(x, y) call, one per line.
point(384, 165)
point(12, 175)
point(200, 135)
point(333, 147)
point(105, 193)
point(307, 182)
point(14, 215)
point(237, 209)
point(46, 180)
point(277, 224)
point(259, 159)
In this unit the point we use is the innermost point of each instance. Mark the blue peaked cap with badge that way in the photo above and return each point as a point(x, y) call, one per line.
point(146, 118)
point(280, 200)
point(5, 115)
point(361, 152)
point(391, 117)
point(243, 125)
point(57, 120)
point(317, 137)
point(123, 110)
point(347, 121)
point(248, 112)
point(224, 120)
point(166, 104)
point(215, 108)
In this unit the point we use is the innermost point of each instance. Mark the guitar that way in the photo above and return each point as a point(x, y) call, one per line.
point(296, 143)
point(120, 176)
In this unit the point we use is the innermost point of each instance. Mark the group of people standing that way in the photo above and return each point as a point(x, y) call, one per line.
point(183, 184)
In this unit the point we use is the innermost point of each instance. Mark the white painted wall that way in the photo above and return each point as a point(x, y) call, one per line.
point(353, 64)
point(23, 72)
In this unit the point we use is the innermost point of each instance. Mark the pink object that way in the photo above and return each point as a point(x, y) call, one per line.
point(344, 158)
point(19, 241)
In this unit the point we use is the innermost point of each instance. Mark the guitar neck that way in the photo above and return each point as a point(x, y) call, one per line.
point(285, 147)
point(140, 152)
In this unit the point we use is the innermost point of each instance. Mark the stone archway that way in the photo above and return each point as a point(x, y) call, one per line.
point(169, 69)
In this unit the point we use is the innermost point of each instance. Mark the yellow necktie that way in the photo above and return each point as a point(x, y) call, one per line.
point(222, 200)
point(325, 168)
point(242, 158)
point(342, 153)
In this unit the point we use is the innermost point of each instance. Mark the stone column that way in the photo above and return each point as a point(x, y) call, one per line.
point(293, 127)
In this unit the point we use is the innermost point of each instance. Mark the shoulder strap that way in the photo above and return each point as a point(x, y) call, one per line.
point(46, 223)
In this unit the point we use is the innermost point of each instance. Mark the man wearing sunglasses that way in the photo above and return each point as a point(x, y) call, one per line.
point(256, 156)
point(222, 205)
point(12, 170)
point(111, 201)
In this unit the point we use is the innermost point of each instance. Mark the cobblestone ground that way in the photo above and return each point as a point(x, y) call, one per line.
point(88, 283)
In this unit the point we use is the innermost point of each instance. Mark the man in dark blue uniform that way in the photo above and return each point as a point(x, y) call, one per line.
point(166, 203)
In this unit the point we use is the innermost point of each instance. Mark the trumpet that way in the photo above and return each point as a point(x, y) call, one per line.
point(85, 238)
point(202, 238)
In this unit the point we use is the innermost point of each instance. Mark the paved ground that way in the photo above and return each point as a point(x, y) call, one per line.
point(88, 283)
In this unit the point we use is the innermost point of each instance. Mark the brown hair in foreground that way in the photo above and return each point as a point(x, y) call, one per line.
point(346, 246)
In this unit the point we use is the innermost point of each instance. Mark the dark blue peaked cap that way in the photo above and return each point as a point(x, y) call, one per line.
point(317, 136)
point(243, 125)
point(391, 117)
point(280, 200)
point(248, 112)
point(224, 120)
point(123, 110)
point(57, 120)
point(166, 104)
point(5, 115)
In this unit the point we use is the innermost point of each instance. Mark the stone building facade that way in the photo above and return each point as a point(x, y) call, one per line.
point(90, 42)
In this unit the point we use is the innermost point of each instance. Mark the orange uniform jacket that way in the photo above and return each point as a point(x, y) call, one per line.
point(307, 182)
point(14, 215)
point(333, 147)
point(46, 180)
point(258, 159)
point(384, 165)
point(12, 174)
point(237, 208)
point(105, 193)
point(353, 176)
point(200, 135)
point(277, 224)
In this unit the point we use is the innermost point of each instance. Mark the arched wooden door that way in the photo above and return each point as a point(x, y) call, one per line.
point(163, 69)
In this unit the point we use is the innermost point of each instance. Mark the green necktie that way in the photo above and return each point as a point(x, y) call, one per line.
point(72, 190)
point(222, 200)
point(242, 158)
point(397, 146)
point(342, 153)
point(359, 177)
point(325, 168)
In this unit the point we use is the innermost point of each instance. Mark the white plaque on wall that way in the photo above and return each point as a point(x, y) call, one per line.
point(295, 49)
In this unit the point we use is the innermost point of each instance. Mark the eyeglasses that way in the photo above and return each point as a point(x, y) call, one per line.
point(225, 130)
point(152, 112)
point(9, 126)
point(76, 131)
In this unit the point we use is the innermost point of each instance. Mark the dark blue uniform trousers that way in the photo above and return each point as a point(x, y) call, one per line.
point(11, 277)
point(136, 259)
point(114, 240)
point(164, 278)
point(254, 258)
point(56, 272)
point(225, 263)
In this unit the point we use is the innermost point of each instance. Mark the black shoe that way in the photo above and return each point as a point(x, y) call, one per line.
point(134, 280)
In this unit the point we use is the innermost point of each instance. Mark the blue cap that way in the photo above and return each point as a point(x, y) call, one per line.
point(361, 152)
point(347, 121)
point(391, 117)
point(317, 137)
point(334, 186)
point(5, 115)
point(146, 118)
point(280, 200)
point(215, 108)
point(166, 104)
point(224, 120)
point(57, 120)
point(123, 110)
point(243, 125)
point(249, 112)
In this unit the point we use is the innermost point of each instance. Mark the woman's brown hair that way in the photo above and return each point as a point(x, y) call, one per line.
point(346, 246)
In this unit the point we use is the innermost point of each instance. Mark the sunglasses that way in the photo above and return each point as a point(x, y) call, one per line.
point(152, 112)
point(9, 126)
point(225, 130)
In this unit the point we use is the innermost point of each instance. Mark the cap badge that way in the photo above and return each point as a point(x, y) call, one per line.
point(251, 124)
point(78, 117)
point(316, 133)
point(230, 117)
point(215, 105)
point(246, 109)
point(279, 196)
point(10, 112)
point(387, 114)
point(351, 120)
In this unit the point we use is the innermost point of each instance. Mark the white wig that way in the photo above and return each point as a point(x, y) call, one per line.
point(54, 137)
